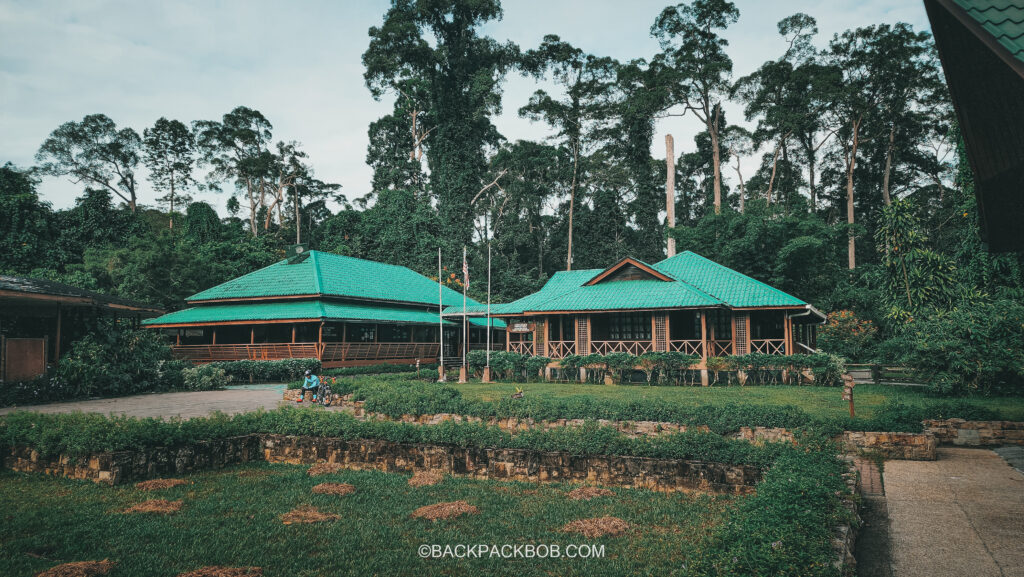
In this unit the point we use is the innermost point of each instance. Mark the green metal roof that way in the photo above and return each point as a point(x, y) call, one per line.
point(734, 288)
point(298, 310)
point(327, 274)
point(698, 282)
point(1003, 19)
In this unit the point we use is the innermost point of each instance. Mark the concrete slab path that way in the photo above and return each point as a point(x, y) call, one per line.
point(962, 514)
point(184, 405)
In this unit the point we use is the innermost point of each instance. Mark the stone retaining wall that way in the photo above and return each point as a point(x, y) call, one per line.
point(130, 466)
point(976, 433)
point(844, 536)
point(516, 464)
point(905, 446)
point(500, 464)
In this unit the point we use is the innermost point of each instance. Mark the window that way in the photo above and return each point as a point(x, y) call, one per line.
point(357, 333)
point(393, 334)
point(425, 334)
point(622, 327)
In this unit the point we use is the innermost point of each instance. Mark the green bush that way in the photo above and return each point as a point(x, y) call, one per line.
point(205, 378)
point(381, 369)
point(264, 371)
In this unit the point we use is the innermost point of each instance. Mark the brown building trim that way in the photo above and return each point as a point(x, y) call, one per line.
point(626, 262)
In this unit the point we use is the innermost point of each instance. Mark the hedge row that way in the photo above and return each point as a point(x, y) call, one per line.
point(669, 368)
point(80, 434)
point(397, 398)
point(264, 371)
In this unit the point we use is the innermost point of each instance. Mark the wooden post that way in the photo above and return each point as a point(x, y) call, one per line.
point(293, 334)
point(252, 335)
point(56, 344)
point(787, 325)
point(177, 337)
point(213, 340)
point(704, 336)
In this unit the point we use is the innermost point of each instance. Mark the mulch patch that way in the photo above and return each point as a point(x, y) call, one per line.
point(425, 478)
point(597, 527)
point(324, 469)
point(154, 484)
point(254, 473)
point(445, 510)
point(162, 506)
point(215, 571)
point(334, 489)
point(588, 493)
point(306, 514)
point(78, 569)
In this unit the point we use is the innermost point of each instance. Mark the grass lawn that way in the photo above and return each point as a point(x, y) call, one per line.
point(231, 518)
point(818, 401)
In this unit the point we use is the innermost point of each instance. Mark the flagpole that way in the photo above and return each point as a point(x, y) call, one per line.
point(487, 366)
point(463, 374)
point(440, 320)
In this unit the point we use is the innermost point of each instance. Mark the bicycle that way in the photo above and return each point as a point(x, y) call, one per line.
point(324, 393)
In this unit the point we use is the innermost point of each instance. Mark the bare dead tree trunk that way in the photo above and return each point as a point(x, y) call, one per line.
point(670, 192)
point(851, 162)
point(775, 163)
point(572, 200)
point(743, 193)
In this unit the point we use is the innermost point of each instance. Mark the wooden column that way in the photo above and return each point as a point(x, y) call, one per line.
point(213, 339)
point(704, 336)
point(733, 321)
point(293, 334)
point(177, 337)
point(252, 335)
point(56, 344)
point(787, 325)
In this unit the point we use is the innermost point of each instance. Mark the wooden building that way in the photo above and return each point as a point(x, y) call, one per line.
point(981, 44)
point(344, 311)
point(39, 319)
point(686, 303)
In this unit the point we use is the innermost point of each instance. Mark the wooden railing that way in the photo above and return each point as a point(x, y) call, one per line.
point(720, 348)
point(378, 351)
point(768, 346)
point(483, 346)
point(258, 352)
point(689, 347)
point(631, 347)
point(561, 349)
point(521, 347)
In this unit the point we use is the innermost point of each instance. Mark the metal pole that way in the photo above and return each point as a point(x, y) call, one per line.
point(465, 323)
point(488, 354)
point(440, 320)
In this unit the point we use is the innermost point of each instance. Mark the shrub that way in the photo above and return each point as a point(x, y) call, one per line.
point(263, 371)
point(113, 360)
point(847, 335)
point(205, 378)
point(534, 366)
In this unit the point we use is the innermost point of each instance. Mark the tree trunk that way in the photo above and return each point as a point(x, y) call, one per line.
point(716, 158)
point(743, 192)
point(810, 180)
point(888, 166)
point(670, 193)
point(572, 201)
point(850, 164)
point(775, 163)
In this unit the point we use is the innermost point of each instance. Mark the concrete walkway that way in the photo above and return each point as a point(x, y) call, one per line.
point(184, 405)
point(960, 515)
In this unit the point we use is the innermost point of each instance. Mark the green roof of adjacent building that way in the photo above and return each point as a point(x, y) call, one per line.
point(1003, 19)
point(695, 282)
point(326, 274)
point(295, 310)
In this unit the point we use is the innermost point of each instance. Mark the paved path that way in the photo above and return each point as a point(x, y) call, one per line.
point(960, 515)
point(184, 405)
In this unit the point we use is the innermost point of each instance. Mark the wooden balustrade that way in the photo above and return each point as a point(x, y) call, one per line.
point(521, 347)
point(689, 347)
point(768, 346)
point(257, 352)
point(561, 349)
point(720, 348)
point(333, 352)
point(630, 347)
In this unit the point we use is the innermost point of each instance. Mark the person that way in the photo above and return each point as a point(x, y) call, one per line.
point(312, 383)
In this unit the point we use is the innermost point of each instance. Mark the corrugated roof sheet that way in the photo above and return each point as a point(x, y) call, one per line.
point(323, 273)
point(734, 288)
point(298, 310)
point(1003, 19)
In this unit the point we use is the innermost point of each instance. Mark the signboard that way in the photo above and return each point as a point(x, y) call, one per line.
point(520, 327)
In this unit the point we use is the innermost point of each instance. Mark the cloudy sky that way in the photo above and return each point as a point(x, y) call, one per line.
point(299, 64)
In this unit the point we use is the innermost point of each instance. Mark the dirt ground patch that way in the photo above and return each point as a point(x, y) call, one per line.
point(597, 527)
point(306, 514)
point(154, 484)
point(162, 506)
point(334, 489)
point(254, 473)
point(425, 478)
point(445, 510)
point(78, 569)
point(215, 571)
point(324, 469)
point(588, 493)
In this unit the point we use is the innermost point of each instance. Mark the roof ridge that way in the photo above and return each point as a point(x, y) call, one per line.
point(688, 283)
point(736, 272)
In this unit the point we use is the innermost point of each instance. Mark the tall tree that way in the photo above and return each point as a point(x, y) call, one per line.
point(586, 80)
point(24, 220)
point(169, 153)
point(437, 43)
point(93, 151)
point(237, 149)
point(694, 50)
